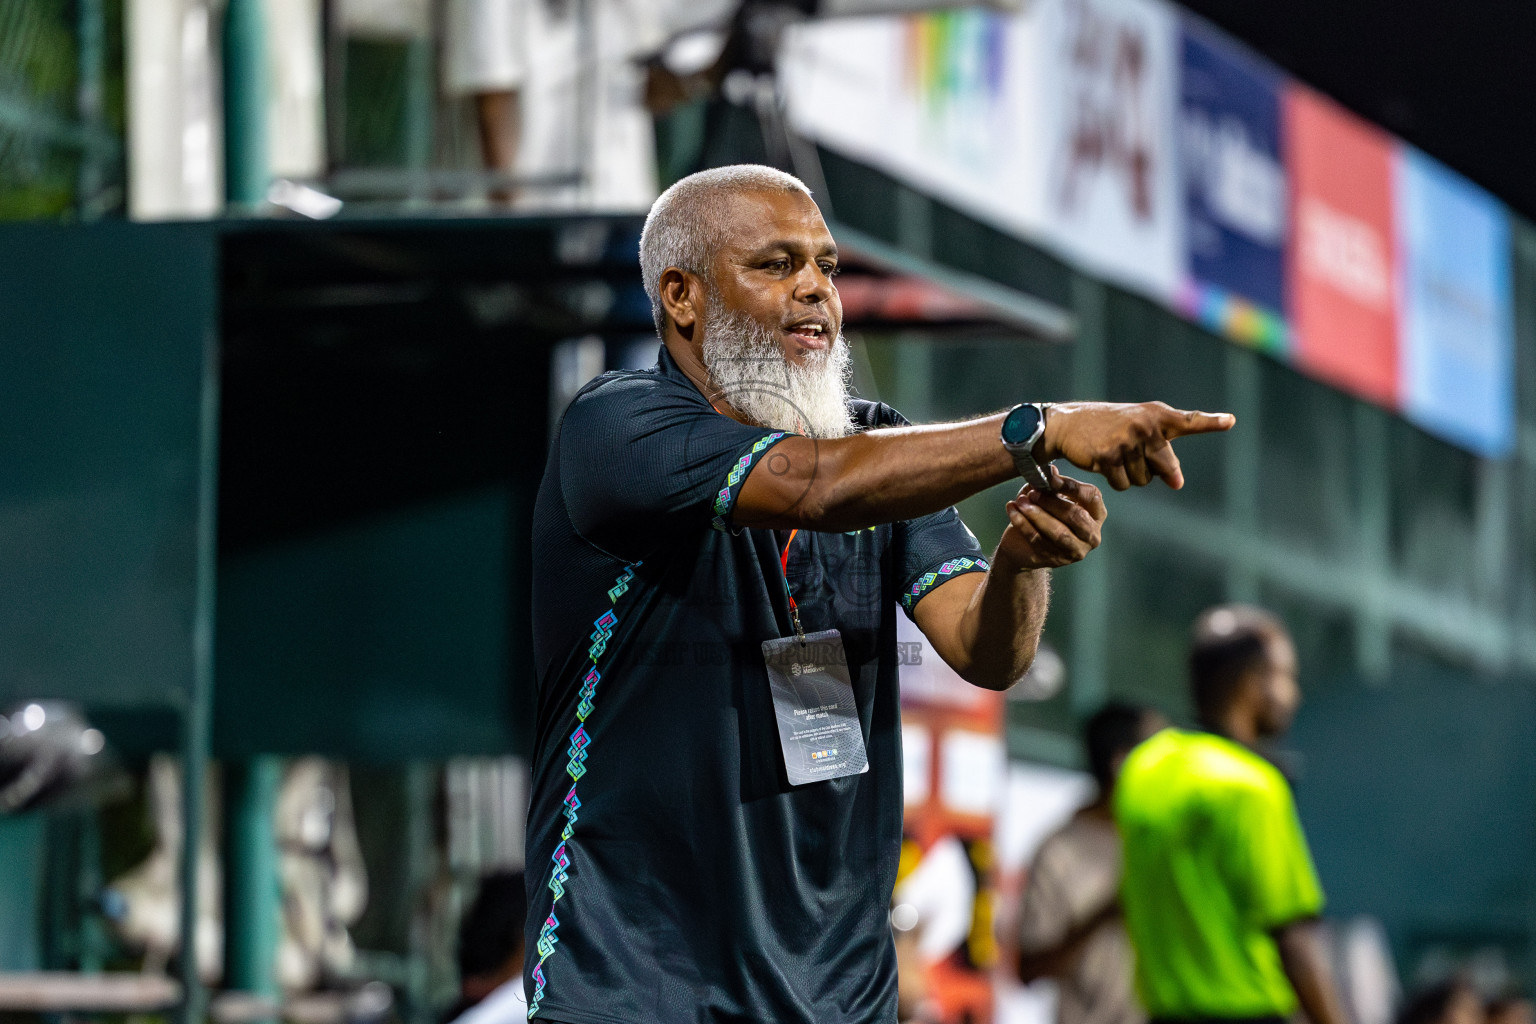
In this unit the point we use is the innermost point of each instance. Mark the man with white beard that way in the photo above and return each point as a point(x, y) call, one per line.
point(720, 546)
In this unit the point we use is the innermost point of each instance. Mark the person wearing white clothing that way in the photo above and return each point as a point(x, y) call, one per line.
point(1069, 925)
point(490, 953)
point(505, 1005)
point(559, 93)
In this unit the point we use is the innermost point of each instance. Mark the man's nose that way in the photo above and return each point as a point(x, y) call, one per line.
point(813, 286)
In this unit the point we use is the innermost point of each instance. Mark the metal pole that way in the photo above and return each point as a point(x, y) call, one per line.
point(1242, 452)
point(94, 943)
point(246, 165)
point(90, 29)
point(420, 110)
point(1373, 623)
point(420, 790)
point(197, 713)
point(254, 896)
point(588, 81)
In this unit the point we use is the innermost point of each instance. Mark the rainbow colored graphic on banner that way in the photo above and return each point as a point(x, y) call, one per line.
point(1151, 150)
point(956, 57)
point(1235, 317)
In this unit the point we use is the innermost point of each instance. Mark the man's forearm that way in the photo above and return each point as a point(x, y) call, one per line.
point(881, 476)
point(873, 477)
point(1301, 953)
point(1000, 628)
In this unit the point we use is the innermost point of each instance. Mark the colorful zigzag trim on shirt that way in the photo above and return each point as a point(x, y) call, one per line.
point(928, 580)
point(734, 477)
point(576, 767)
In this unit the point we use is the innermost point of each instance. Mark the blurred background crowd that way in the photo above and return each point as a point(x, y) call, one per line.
point(291, 292)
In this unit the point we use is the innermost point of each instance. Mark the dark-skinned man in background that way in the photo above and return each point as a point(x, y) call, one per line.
point(1069, 925)
point(1220, 896)
point(720, 546)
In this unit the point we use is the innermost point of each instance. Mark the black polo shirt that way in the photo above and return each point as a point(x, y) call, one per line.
point(674, 873)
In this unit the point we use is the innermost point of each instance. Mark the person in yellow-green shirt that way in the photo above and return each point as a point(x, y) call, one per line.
point(1220, 897)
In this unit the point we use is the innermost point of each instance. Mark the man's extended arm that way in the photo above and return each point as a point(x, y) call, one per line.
point(985, 626)
point(1306, 965)
point(885, 475)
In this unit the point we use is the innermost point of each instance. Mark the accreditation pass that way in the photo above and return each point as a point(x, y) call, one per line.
point(813, 704)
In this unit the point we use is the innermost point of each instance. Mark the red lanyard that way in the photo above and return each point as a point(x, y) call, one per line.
point(794, 610)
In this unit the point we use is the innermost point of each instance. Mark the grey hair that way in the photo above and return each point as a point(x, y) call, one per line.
point(687, 223)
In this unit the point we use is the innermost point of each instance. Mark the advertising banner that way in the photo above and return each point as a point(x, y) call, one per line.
point(1111, 203)
point(951, 103)
point(1457, 323)
point(1150, 150)
point(1234, 191)
point(1341, 259)
point(947, 102)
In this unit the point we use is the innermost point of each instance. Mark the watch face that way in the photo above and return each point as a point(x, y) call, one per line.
point(1020, 424)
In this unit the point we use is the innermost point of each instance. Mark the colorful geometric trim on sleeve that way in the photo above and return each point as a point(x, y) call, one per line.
point(576, 767)
point(928, 580)
point(737, 474)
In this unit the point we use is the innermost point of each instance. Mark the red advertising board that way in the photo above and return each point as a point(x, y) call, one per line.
point(1341, 260)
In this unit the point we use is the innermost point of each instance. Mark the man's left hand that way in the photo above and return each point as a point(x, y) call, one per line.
point(1046, 530)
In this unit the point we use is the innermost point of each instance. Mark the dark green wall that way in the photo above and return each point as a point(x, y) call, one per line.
point(102, 337)
point(382, 640)
point(22, 851)
point(1417, 798)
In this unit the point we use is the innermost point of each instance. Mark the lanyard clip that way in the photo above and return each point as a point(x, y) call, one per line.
point(794, 611)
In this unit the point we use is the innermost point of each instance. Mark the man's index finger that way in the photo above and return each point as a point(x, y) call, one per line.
point(1185, 422)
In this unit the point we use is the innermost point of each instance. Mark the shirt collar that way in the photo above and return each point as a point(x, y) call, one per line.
point(669, 368)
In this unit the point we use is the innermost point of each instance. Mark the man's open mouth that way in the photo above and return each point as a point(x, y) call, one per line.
point(811, 333)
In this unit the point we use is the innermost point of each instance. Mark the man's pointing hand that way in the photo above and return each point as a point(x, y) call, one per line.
point(1126, 444)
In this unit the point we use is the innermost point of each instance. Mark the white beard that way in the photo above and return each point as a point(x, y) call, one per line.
point(746, 362)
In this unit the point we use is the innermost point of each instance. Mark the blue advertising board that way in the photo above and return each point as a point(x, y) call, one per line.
point(1234, 189)
point(1457, 329)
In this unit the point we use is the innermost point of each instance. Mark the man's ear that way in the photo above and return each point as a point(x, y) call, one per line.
point(681, 296)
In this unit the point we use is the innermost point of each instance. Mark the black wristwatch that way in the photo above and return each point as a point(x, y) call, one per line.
point(1023, 428)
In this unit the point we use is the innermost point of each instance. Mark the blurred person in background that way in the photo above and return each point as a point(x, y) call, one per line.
point(1510, 1009)
point(325, 880)
point(553, 96)
point(491, 953)
point(1454, 1001)
point(1221, 898)
point(1069, 922)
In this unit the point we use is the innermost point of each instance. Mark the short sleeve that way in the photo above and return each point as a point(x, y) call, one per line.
point(933, 550)
point(1269, 866)
point(644, 454)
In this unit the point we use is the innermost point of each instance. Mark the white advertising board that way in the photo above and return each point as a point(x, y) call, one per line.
point(1055, 123)
point(1109, 73)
